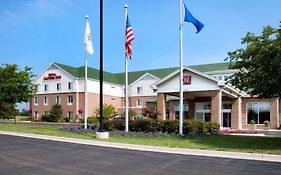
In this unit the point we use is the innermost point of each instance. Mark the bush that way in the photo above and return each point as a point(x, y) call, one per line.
point(150, 111)
point(108, 112)
point(190, 127)
point(46, 118)
point(144, 125)
point(214, 127)
point(132, 114)
point(169, 126)
point(203, 127)
point(92, 120)
point(67, 119)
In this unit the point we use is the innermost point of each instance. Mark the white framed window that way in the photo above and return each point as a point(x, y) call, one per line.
point(36, 101)
point(113, 99)
point(58, 86)
point(70, 114)
point(58, 99)
point(46, 112)
point(36, 115)
point(139, 103)
point(46, 101)
point(69, 100)
point(139, 90)
point(203, 111)
point(258, 111)
point(46, 87)
point(70, 86)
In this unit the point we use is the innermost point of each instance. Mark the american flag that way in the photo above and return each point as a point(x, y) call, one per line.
point(129, 38)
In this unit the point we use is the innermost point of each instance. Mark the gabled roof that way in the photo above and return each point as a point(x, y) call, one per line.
point(119, 78)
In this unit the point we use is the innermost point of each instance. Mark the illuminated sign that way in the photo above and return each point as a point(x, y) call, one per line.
point(186, 79)
point(52, 76)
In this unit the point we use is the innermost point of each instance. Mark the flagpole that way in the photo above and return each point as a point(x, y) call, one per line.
point(181, 73)
point(126, 77)
point(101, 66)
point(86, 87)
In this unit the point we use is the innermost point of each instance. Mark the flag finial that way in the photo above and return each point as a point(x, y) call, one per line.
point(87, 17)
point(126, 6)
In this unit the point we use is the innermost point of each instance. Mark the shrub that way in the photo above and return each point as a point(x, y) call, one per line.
point(150, 111)
point(144, 125)
point(132, 114)
point(46, 118)
point(252, 122)
point(92, 120)
point(67, 119)
point(266, 123)
point(203, 127)
point(169, 126)
point(190, 127)
point(213, 127)
point(108, 112)
point(56, 113)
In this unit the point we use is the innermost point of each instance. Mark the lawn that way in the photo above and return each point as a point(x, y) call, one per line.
point(249, 144)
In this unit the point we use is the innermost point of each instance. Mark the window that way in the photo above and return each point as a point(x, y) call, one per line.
point(203, 111)
point(58, 86)
point(185, 111)
point(58, 99)
point(124, 103)
point(154, 90)
point(139, 90)
point(46, 99)
point(139, 103)
point(46, 87)
point(36, 115)
point(70, 99)
point(259, 112)
point(36, 101)
point(70, 86)
point(46, 112)
point(113, 99)
point(70, 115)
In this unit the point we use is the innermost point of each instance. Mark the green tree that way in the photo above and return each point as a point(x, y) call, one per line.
point(15, 86)
point(108, 111)
point(258, 64)
point(56, 113)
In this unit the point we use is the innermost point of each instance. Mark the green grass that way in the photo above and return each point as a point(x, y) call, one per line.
point(249, 144)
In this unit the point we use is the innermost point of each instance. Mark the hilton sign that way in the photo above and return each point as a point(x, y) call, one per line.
point(186, 79)
point(52, 76)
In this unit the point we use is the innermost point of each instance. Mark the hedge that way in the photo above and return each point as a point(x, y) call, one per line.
point(190, 127)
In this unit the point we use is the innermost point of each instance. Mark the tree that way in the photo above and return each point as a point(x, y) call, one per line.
point(108, 111)
point(258, 64)
point(56, 113)
point(15, 86)
point(150, 111)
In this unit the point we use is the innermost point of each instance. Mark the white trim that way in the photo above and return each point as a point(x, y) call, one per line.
point(144, 76)
point(191, 70)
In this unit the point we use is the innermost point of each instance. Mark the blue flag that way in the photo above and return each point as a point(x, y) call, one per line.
point(189, 18)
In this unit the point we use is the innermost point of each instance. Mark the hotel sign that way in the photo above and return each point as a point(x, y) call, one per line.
point(186, 79)
point(52, 76)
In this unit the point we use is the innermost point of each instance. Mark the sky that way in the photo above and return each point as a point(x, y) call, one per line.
point(36, 33)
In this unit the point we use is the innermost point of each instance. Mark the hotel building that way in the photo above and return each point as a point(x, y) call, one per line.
point(207, 96)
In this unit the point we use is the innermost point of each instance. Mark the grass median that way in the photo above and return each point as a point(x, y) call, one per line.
point(249, 144)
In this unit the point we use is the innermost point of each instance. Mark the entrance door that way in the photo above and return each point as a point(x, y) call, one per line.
point(226, 119)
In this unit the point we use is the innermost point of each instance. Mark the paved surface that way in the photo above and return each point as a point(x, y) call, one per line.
point(27, 156)
point(209, 153)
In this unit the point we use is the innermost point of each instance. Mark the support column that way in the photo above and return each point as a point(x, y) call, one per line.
point(161, 106)
point(236, 114)
point(191, 112)
point(274, 113)
point(172, 110)
point(216, 106)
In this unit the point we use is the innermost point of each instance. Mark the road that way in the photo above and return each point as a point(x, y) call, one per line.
point(26, 156)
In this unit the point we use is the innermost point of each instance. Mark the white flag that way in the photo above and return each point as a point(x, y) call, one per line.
point(88, 38)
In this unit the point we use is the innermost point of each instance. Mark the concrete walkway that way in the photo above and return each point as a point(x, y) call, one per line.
point(208, 153)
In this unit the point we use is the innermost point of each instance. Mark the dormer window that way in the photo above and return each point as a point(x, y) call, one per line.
point(139, 90)
point(58, 86)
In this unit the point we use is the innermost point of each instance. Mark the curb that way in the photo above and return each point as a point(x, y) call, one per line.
point(180, 151)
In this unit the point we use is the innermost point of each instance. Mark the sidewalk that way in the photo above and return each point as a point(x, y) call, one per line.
point(208, 153)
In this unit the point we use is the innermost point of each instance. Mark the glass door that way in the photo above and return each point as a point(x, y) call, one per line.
point(226, 119)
